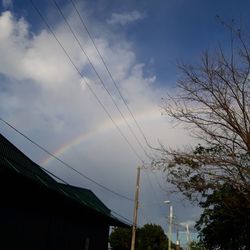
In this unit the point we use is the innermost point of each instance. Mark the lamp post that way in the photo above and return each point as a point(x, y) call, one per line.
point(188, 236)
point(170, 225)
point(177, 240)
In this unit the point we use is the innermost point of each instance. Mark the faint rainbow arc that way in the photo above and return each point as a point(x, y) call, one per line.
point(106, 126)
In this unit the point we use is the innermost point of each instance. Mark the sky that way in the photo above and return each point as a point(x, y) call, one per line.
point(58, 100)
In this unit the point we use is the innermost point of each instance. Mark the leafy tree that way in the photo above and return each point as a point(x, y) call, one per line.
point(225, 222)
point(120, 238)
point(151, 237)
point(197, 246)
point(214, 103)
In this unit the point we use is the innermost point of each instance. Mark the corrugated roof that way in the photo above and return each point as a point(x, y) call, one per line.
point(86, 197)
point(12, 158)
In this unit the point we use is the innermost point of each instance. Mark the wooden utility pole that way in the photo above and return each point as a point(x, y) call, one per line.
point(136, 205)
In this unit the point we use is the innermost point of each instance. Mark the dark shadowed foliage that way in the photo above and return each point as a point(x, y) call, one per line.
point(225, 222)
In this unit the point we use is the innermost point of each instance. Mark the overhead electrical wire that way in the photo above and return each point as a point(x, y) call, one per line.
point(86, 82)
point(35, 173)
point(103, 84)
point(97, 98)
point(151, 184)
point(158, 181)
point(78, 41)
point(155, 194)
point(98, 75)
point(144, 216)
point(110, 74)
point(64, 163)
point(121, 216)
point(56, 177)
point(78, 69)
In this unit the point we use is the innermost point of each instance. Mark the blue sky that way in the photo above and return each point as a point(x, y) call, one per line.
point(141, 41)
point(169, 31)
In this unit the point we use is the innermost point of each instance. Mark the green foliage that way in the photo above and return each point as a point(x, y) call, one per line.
point(149, 237)
point(225, 222)
point(197, 246)
point(120, 238)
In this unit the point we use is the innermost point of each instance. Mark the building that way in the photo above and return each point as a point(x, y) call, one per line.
point(37, 212)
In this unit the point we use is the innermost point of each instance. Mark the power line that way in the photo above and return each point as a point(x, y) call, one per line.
point(98, 75)
point(99, 101)
point(151, 184)
point(63, 181)
point(156, 196)
point(86, 82)
point(35, 173)
point(110, 74)
point(144, 216)
point(55, 176)
point(130, 222)
point(158, 181)
point(66, 164)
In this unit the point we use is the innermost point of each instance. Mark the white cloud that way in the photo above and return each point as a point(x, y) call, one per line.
point(36, 58)
point(126, 17)
point(43, 96)
point(36, 61)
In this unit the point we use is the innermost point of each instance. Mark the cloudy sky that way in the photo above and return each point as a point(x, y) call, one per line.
point(50, 92)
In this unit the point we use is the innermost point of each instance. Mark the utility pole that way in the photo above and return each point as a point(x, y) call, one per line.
point(188, 236)
point(177, 240)
point(136, 205)
point(170, 227)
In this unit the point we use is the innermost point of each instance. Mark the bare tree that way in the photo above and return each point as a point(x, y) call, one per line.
point(214, 102)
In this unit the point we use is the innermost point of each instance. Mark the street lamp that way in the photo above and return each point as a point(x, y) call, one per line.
point(166, 202)
point(170, 224)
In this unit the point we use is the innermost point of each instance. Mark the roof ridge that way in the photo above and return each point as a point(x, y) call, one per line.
point(13, 158)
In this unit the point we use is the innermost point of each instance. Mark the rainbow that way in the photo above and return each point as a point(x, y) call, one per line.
point(101, 128)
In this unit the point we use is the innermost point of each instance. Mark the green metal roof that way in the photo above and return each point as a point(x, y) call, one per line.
point(85, 197)
point(12, 158)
